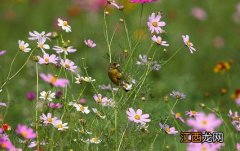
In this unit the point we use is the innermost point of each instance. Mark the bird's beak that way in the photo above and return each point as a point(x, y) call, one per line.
point(117, 65)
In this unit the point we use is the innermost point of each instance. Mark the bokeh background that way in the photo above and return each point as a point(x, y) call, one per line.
point(213, 27)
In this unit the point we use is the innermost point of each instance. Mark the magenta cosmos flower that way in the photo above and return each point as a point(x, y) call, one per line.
point(25, 132)
point(154, 23)
point(57, 82)
point(142, 1)
point(55, 105)
point(204, 122)
point(137, 116)
point(5, 143)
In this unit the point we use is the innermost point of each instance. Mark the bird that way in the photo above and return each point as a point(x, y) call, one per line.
point(116, 76)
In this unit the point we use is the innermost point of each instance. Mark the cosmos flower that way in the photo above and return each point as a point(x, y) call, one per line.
point(81, 108)
point(199, 13)
point(5, 143)
point(31, 95)
point(191, 113)
point(104, 101)
point(46, 59)
point(187, 43)
point(178, 95)
point(143, 60)
point(25, 132)
point(38, 36)
point(64, 25)
point(60, 125)
point(58, 94)
point(114, 4)
point(64, 50)
point(57, 82)
point(154, 23)
point(91, 6)
point(89, 43)
point(79, 79)
point(236, 96)
point(55, 105)
point(95, 140)
point(142, 1)
point(2, 52)
point(155, 66)
point(47, 95)
point(23, 46)
point(48, 119)
point(68, 64)
point(168, 129)
point(137, 116)
point(3, 104)
point(238, 146)
point(204, 122)
point(159, 41)
point(235, 119)
point(178, 116)
point(107, 87)
point(42, 45)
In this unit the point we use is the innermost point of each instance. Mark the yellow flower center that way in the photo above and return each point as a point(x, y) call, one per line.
point(24, 133)
point(167, 130)
point(137, 117)
point(22, 47)
point(194, 112)
point(159, 41)
point(60, 126)
point(65, 23)
point(46, 60)
point(188, 43)
point(4, 145)
point(67, 66)
point(49, 120)
point(204, 122)
point(40, 45)
point(99, 100)
point(155, 24)
point(53, 80)
point(178, 115)
point(82, 108)
point(95, 140)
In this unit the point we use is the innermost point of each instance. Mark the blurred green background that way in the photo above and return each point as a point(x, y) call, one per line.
point(216, 39)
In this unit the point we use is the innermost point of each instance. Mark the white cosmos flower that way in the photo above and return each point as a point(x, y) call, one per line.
point(23, 46)
point(47, 95)
point(41, 44)
point(98, 113)
point(60, 125)
point(79, 79)
point(64, 25)
point(81, 108)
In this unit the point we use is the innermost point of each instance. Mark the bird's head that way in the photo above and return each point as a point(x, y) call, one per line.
point(114, 65)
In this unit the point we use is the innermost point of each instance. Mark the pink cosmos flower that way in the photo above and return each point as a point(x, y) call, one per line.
point(55, 105)
point(204, 146)
point(142, 1)
point(64, 50)
point(204, 122)
point(5, 143)
point(238, 146)
point(2, 52)
point(57, 82)
point(46, 59)
point(199, 13)
point(188, 43)
point(155, 24)
point(48, 119)
point(137, 116)
point(89, 43)
point(69, 65)
point(167, 129)
point(25, 132)
point(159, 41)
point(104, 101)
